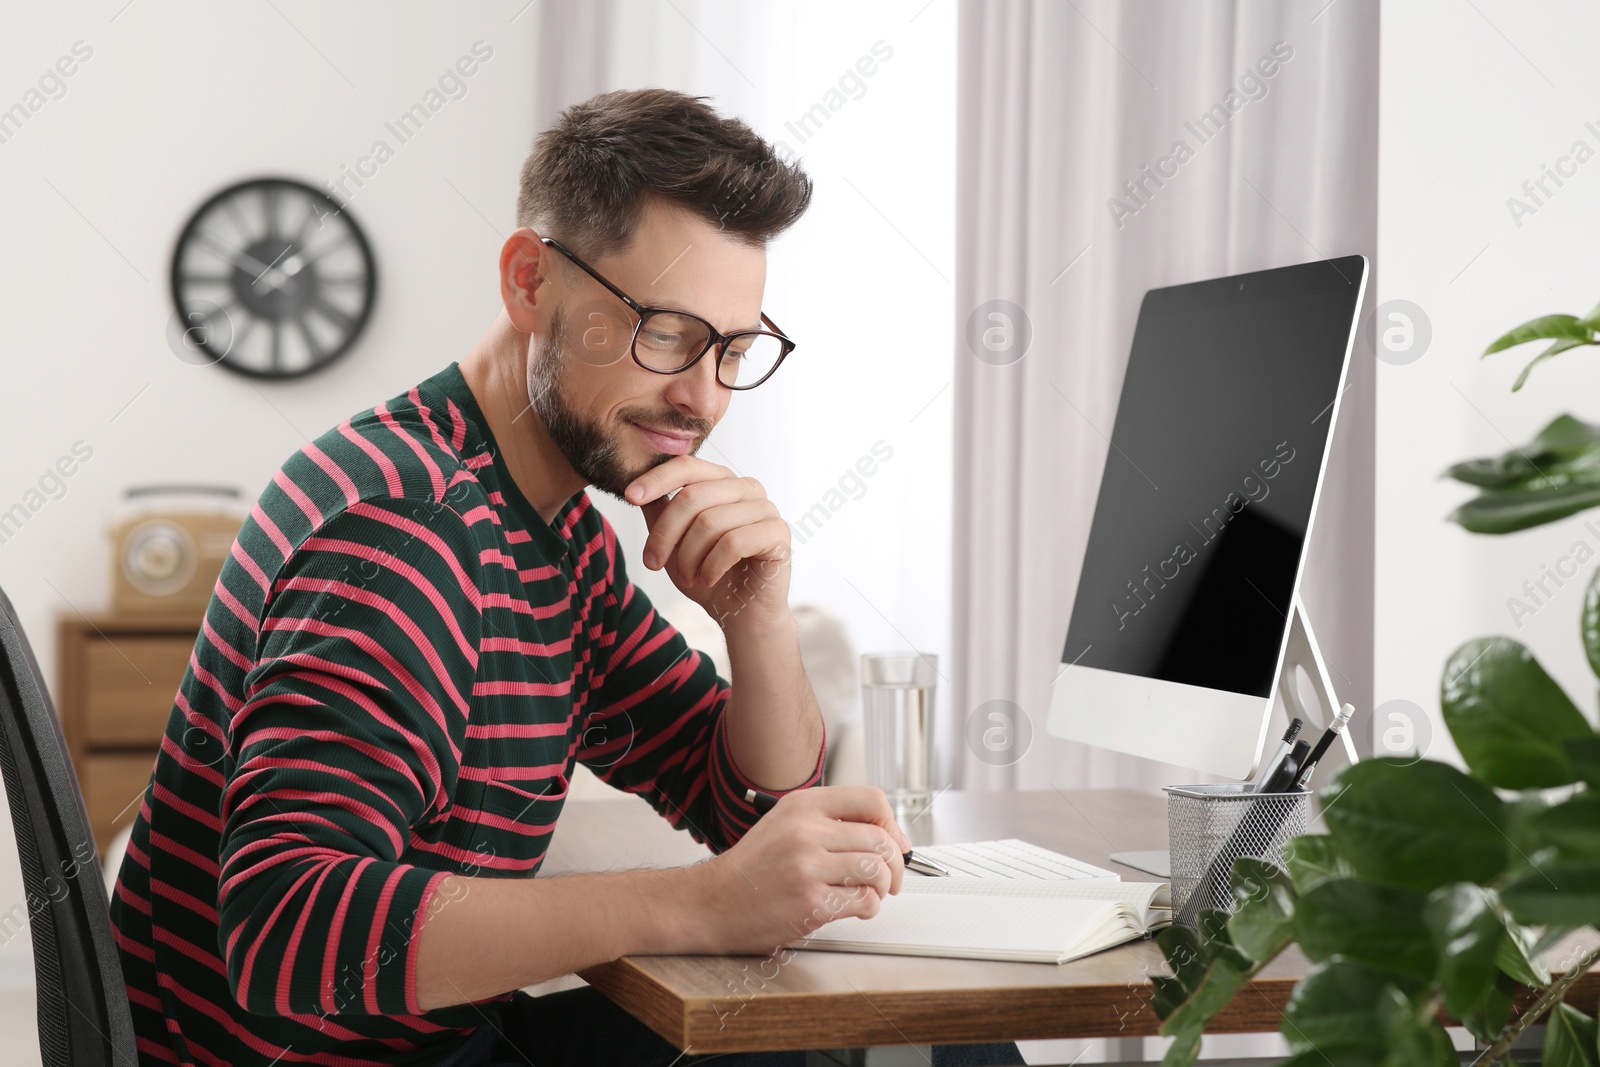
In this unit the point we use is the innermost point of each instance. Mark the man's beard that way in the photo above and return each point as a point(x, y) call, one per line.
point(587, 448)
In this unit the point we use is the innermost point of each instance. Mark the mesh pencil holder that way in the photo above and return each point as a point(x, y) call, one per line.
point(1210, 826)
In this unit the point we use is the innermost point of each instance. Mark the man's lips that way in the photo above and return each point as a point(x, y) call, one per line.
point(673, 444)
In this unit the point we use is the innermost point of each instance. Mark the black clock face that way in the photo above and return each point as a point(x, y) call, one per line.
point(272, 278)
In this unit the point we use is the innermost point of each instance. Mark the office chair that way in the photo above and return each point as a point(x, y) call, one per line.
point(84, 1019)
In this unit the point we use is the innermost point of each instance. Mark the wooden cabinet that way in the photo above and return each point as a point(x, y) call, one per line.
point(118, 677)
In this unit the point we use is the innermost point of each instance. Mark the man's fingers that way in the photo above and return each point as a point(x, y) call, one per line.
point(676, 473)
point(765, 540)
point(856, 803)
point(709, 530)
point(652, 511)
point(674, 517)
point(849, 871)
point(865, 838)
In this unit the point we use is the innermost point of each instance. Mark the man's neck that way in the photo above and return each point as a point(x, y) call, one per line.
point(496, 372)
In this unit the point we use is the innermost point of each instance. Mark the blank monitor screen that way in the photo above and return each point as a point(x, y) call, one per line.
point(1215, 459)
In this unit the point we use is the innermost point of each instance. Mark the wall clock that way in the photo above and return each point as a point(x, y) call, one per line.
point(272, 278)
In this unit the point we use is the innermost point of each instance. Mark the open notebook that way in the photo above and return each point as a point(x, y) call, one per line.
point(1005, 900)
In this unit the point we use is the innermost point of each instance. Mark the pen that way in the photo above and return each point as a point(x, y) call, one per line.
point(764, 801)
point(1335, 728)
point(1277, 757)
point(1288, 769)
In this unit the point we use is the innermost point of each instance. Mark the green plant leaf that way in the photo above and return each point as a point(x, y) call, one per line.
point(1584, 752)
point(1185, 1050)
point(1527, 847)
point(1415, 825)
point(1376, 924)
point(1508, 717)
point(1545, 326)
point(1488, 1020)
point(1204, 964)
point(1312, 859)
point(1566, 449)
point(1336, 1006)
point(1216, 943)
point(1560, 894)
point(1589, 622)
point(1466, 934)
point(1570, 1039)
point(1493, 472)
point(1411, 1040)
point(1168, 996)
point(1181, 946)
point(1216, 987)
point(1573, 826)
point(1519, 955)
point(1263, 917)
point(1566, 436)
point(1554, 350)
point(1502, 512)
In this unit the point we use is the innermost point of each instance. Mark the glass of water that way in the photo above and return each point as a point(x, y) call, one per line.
point(897, 691)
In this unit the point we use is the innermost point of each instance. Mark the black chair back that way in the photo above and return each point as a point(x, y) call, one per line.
point(82, 1003)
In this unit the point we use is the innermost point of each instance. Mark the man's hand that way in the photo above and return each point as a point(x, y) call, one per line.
point(719, 538)
point(819, 854)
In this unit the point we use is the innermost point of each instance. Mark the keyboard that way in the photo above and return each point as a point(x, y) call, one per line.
point(1009, 858)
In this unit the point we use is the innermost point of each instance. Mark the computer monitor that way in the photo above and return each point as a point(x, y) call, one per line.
point(1192, 568)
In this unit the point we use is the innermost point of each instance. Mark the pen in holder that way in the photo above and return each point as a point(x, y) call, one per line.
point(1210, 826)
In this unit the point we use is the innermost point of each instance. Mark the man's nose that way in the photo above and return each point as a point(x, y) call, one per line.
point(697, 389)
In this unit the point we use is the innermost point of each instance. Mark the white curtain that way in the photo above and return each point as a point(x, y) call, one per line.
point(1059, 105)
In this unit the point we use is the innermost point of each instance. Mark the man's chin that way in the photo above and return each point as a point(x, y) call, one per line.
point(610, 485)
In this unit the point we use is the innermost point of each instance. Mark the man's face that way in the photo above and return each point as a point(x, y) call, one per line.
point(596, 402)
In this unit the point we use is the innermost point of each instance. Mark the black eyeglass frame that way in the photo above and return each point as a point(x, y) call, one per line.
point(714, 338)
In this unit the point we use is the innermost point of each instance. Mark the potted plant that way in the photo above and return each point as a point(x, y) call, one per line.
point(1435, 892)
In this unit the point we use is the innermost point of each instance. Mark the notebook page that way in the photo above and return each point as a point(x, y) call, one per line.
point(967, 927)
point(1010, 858)
point(1151, 900)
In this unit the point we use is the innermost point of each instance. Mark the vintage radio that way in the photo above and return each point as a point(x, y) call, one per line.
point(168, 546)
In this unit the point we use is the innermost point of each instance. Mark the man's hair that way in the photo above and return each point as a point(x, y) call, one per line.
point(590, 175)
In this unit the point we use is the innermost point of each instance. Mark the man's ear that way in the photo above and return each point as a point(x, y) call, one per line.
point(522, 261)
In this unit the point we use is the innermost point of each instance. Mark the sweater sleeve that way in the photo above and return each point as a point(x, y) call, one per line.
point(655, 720)
point(349, 734)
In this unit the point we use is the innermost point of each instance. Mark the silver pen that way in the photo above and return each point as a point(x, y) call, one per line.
point(1255, 784)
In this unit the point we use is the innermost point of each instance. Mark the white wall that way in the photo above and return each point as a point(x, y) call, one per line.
point(1475, 99)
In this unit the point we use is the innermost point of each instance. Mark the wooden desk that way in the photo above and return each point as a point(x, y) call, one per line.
point(851, 1000)
point(834, 1000)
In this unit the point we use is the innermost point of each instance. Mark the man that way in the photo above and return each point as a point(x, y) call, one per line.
point(425, 623)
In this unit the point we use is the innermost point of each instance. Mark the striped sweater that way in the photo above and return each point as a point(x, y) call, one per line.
point(400, 663)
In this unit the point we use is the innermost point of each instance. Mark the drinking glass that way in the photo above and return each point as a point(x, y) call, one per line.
point(897, 697)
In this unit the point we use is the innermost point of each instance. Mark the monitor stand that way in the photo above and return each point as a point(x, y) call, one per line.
point(1302, 652)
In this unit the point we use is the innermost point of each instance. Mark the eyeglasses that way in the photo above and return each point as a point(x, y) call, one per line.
point(668, 341)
